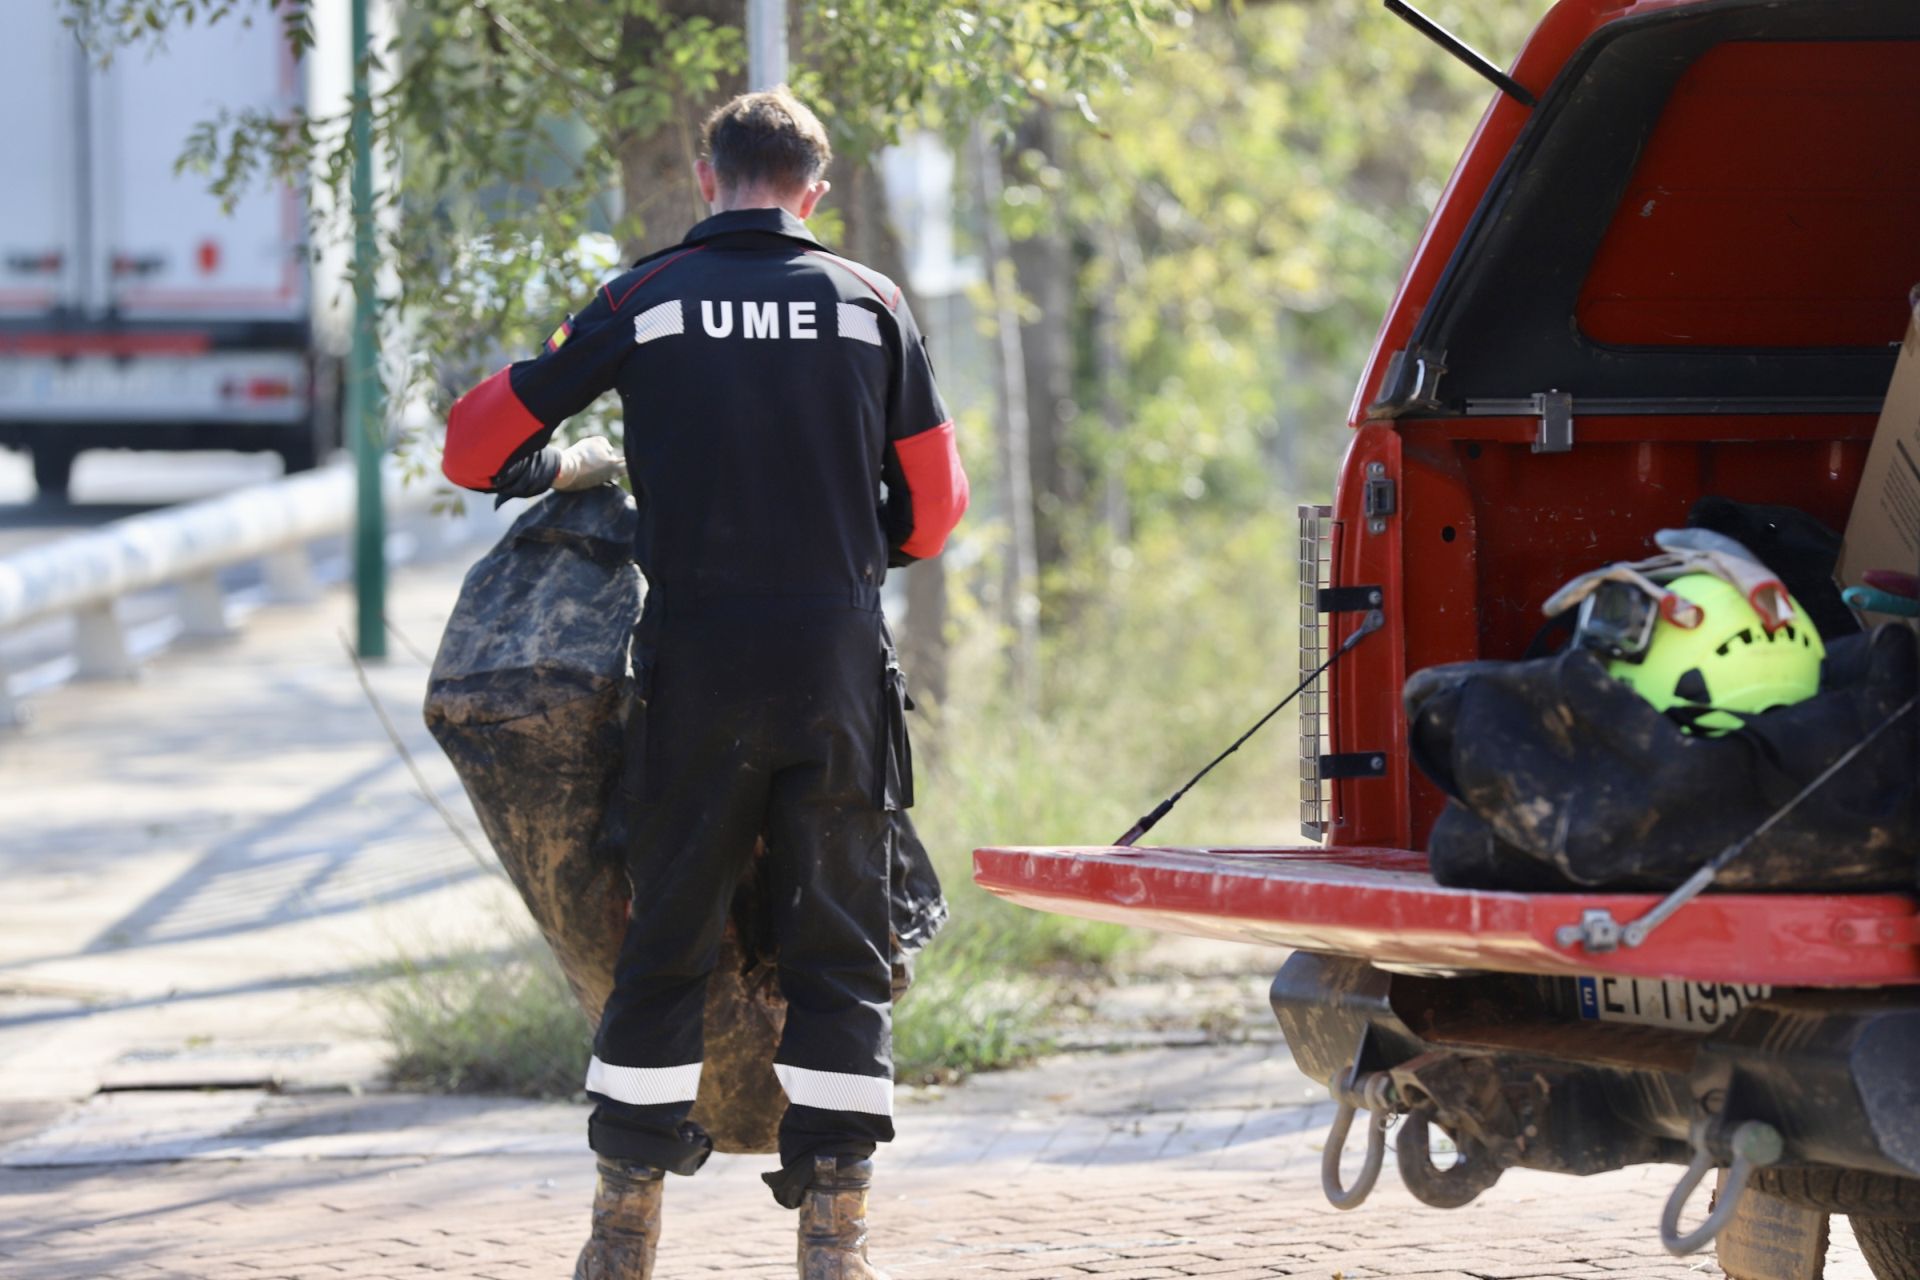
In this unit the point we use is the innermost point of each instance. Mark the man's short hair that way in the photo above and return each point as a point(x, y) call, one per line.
point(767, 139)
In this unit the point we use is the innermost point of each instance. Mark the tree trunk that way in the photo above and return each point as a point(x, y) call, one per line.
point(1110, 370)
point(924, 647)
point(659, 198)
point(871, 238)
point(1019, 599)
point(1125, 265)
point(1043, 265)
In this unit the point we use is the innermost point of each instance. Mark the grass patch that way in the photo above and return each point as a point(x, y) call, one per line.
point(985, 990)
point(487, 1022)
point(1174, 649)
point(953, 1024)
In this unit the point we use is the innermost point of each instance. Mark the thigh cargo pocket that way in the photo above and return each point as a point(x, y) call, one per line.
point(894, 776)
point(633, 735)
point(614, 839)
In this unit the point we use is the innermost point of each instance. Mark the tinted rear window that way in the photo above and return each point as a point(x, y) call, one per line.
point(1776, 204)
point(1712, 202)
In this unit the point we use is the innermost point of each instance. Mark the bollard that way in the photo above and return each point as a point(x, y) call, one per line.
point(203, 609)
point(13, 712)
point(290, 577)
point(100, 644)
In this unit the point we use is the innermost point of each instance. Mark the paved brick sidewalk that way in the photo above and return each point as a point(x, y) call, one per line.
point(990, 1183)
point(496, 1216)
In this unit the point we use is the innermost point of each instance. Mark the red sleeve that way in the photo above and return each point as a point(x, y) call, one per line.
point(937, 486)
point(484, 428)
point(926, 485)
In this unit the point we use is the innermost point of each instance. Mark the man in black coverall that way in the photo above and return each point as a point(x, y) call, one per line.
point(786, 445)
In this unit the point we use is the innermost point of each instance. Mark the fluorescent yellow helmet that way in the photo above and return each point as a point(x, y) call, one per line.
point(1729, 663)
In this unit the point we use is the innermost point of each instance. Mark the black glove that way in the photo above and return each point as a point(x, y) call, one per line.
point(527, 476)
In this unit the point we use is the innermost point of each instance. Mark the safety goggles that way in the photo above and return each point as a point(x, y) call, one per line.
point(1617, 620)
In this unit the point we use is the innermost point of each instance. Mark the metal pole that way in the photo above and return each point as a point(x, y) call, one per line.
point(766, 43)
point(366, 410)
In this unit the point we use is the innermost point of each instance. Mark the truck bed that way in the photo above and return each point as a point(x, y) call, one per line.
point(1382, 904)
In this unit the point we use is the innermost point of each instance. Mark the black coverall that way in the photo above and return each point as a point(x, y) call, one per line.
point(773, 393)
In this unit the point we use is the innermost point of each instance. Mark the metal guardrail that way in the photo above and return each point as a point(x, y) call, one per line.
point(274, 524)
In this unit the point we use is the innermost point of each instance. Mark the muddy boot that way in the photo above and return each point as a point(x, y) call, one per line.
point(833, 1223)
point(626, 1223)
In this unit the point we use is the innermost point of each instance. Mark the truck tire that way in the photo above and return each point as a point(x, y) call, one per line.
point(1890, 1245)
point(53, 471)
point(1849, 1191)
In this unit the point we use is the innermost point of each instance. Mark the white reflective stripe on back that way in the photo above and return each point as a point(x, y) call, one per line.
point(662, 321)
point(862, 325)
point(836, 1090)
point(643, 1086)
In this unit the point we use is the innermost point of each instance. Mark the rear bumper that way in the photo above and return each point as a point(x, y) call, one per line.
point(1382, 905)
point(1500, 1062)
point(164, 387)
point(241, 437)
point(1461, 998)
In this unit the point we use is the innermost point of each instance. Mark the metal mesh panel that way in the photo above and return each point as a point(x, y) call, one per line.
point(1316, 565)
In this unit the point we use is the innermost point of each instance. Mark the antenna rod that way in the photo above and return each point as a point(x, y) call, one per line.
point(1374, 620)
point(1463, 51)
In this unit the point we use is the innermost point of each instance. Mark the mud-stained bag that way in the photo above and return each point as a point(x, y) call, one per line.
point(1560, 777)
point(533, 699)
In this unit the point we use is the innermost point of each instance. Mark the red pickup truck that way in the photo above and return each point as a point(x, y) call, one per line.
point(1674, 261)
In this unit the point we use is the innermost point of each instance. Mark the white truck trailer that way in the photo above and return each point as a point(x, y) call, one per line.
point(136, 313)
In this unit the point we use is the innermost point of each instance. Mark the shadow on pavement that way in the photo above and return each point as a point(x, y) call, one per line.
point(262, 986)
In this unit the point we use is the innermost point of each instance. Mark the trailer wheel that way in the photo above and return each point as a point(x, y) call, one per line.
point(1849, 1191)
point(53, 470)
point(1891, 1246)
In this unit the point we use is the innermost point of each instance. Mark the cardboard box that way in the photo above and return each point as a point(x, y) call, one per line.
point(1883, 530)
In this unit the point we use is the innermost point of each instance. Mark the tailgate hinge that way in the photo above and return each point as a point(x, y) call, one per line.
point(1555, 411)
point(1347, 599)
point(1353, 764)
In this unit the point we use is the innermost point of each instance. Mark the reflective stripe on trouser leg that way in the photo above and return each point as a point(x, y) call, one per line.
point(644, 1086)
point(691, 805)
point(684, 855)
point(764, 718)
point(836, 1090)
point(830, 851)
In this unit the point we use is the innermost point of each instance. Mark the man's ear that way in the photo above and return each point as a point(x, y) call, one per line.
point(812, 197)
point(709, 180)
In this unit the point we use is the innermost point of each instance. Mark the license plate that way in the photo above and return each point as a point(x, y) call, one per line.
point(1694, 1006)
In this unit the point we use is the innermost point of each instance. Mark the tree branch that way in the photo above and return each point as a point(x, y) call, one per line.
point(590, 97)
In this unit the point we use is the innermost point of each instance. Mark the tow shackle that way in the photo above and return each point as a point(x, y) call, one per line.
point(1755, 1144)
point(1374, 1094)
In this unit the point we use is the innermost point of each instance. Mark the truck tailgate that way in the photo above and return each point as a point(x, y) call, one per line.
point(1382, 904)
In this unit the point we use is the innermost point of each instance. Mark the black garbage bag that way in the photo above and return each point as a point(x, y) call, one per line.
point(529, 697)
point(1794, 545)
point(1560, 777)
point(1797, 547)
